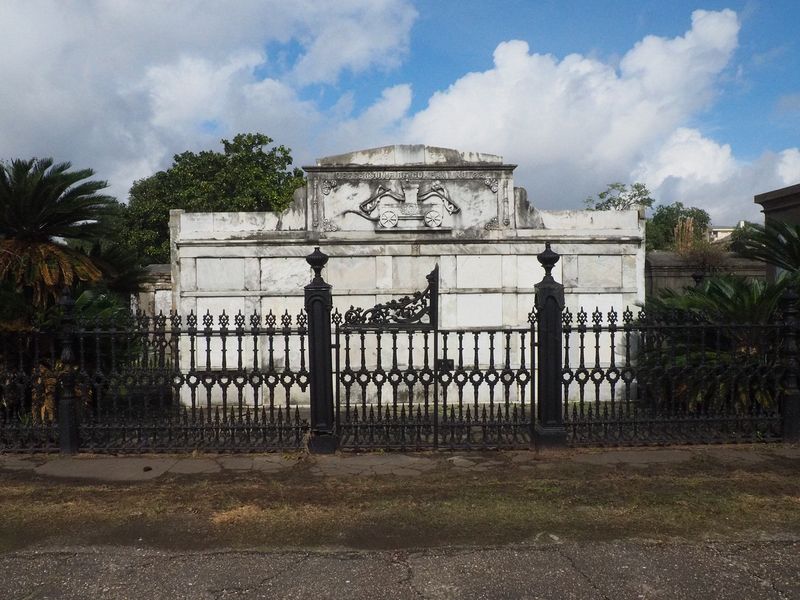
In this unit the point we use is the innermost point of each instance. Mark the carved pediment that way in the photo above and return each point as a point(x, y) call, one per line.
point(410, 188)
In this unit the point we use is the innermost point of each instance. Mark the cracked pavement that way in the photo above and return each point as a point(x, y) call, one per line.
point(607, 570)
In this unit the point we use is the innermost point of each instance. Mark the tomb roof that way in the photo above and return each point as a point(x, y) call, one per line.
point(410, 154)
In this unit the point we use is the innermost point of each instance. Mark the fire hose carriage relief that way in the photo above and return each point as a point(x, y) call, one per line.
point(407, 205)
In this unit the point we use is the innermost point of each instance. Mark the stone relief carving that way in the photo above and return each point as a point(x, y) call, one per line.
point(491, 183)
point(506, 208)
point(395, 202)
point(491, 224)
point(406, 175)
point(328, 225)
point(328, 185)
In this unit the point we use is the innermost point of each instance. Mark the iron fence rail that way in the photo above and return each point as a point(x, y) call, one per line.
point(146, 387)
point(660, 379)
point(389, 377)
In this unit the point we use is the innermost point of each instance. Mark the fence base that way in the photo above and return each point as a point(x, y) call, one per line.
point(322, 443)
point(546, 438)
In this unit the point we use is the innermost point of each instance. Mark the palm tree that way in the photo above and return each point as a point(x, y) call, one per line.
point(776, 243)
point(721, 338)
point(42, 205)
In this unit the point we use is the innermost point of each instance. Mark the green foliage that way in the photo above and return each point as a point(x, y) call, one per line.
point(41, 205)
point(726, 299)
point(40, 201)
point(660, 228)
point(714, 335)
point(244, 177)
point(777, 244)
point(619, 197)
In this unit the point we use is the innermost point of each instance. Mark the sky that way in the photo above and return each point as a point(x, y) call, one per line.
point(701, 102)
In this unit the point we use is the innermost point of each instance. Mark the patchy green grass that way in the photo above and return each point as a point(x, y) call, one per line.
point(693, 500)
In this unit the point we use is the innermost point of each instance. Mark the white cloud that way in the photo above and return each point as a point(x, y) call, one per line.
point(357, 38)
point(578, 123)
point(121, 86)
point(686, 154)
point(788, 168)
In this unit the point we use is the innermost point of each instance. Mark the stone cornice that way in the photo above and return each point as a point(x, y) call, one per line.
point(352, 169)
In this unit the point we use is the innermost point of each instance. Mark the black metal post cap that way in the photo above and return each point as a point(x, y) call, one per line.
point(547, 259)
point(317, 259)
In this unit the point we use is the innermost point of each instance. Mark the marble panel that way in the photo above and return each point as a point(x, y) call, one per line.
point(510, 317)
point(591, 302)
point(240, 222)
point(216, 274)
point(351, 273)
point(475, 310)
point(291, 274)
point(188, 274)
point(447, 272)
point(510, 271)
point(629, 274)
point(531, 272)
point(479, 272)
point(215, 305)
point(601, 220)
point(599, 271)
point(196, 222)
point(252, 274)
point(187, 305)
point(569, 270)
point(162, 302)
point(448, 310)
point(280, 305)
point(410, 271)
point(383, 272)
point(342, 302)
point(525, 304)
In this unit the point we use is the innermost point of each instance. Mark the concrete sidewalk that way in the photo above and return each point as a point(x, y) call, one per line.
point(620, 570)
point(142, 468)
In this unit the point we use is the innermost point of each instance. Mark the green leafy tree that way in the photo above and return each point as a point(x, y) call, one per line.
point(660, 228)
point(618, 196)
point(42, 206)
point(246, 176)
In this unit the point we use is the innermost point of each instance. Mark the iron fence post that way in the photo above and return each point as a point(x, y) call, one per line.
point(791, 398)
point(549, 430)
point(433, 284)
point(318, 303)
point(67, 415)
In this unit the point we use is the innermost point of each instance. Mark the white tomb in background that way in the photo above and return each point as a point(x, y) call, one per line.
point(385, 217)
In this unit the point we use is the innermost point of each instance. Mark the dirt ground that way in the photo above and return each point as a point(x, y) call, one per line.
point(704, 498)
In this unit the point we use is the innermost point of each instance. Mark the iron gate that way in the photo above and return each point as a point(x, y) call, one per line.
point(402, 382)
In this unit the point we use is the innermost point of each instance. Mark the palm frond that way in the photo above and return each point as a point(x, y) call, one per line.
point(776, 243)
point(41, 201)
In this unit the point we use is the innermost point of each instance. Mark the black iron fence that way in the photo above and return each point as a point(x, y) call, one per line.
point(671, 378)
point(390, 377)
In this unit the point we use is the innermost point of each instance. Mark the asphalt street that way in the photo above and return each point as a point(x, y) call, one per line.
point(549, 569)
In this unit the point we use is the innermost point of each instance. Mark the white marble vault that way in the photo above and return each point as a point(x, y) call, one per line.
point(385, 217)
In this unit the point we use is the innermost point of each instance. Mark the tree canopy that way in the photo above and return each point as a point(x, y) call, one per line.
point(618, 196)
point(660, 228)
point(245, 176)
